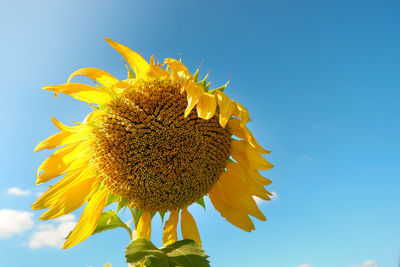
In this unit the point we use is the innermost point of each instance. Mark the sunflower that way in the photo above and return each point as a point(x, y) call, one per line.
point(158, 141)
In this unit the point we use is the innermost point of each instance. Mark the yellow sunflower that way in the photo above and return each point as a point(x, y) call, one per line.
point(159, 140)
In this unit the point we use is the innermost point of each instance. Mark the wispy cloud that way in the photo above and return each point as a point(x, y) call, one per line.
point(368, 263)
point(304, 265)
point(49, 235)
point(260, 201)
point(18, 191)
point(14, 222)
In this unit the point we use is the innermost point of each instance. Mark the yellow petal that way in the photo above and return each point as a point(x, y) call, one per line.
point(189, 227)
point(206, 106)
point(170, 233)
point(242, 113)
point(90, 117)
point(238, 197)
point(144, 226)
point(257, 177)
point(245, 181)
point(244, 133)
point(55, 140)
point(226, 107)
point(243, 153)
point(64, 160)
point(156, 71)
point(177, 68)
point(152, 62)
point(51, 196)
point(138, 64)
point(88, 220)
point(121, 86)
point(69, 134)
point(232, 215)
point(100, 76)
point(239, 151)
point(65, 128)
point(258, 161)
point(194, 91)
point(83, 92)
point(71, 199)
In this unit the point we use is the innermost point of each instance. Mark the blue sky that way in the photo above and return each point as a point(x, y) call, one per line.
point(320, 79)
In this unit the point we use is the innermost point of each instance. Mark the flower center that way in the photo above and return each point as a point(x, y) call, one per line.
point(149, 153)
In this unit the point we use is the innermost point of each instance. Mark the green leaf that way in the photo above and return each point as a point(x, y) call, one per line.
point(143, 251)
point(201, 202)
point(185, 253)
point(107, 264)
point(110, 220)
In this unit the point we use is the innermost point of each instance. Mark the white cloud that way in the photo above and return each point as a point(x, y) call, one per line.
point(260, 201)
point(14, 222)
point(369, 263)
point(38, 194)
point(18, 191)
point(49, 235)
point(304, 265)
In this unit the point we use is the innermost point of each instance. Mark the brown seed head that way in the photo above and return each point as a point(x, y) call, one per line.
point(149, 153)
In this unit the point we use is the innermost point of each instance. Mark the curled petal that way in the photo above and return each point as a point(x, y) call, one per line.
point(206, 106)
point(156, 71)
point(98, 75)
point(177, 68)
point(242, 113)
point(226, 107)
point(244, 133)
point(138, 64)
point(194, 91)
point(65, 128)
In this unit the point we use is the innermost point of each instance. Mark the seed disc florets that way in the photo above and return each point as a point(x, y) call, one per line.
point(148, 152)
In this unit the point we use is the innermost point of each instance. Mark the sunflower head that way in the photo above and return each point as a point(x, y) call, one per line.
point(159, 141)
point(150, 153)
